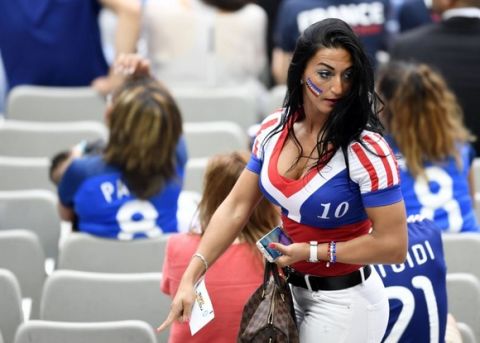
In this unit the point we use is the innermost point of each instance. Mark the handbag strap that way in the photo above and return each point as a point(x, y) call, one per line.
point(271, 269)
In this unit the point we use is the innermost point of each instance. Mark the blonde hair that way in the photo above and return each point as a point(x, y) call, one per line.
point(220, 176)
point(422, 114)
point(145, 127)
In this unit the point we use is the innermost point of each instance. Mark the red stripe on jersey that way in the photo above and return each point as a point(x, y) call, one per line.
point(380, 152)
point(367, 164)
point(394, 158)
point(263, 127)
point(287, 186)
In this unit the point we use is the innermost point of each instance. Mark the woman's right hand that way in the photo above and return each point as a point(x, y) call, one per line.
point(181, 307)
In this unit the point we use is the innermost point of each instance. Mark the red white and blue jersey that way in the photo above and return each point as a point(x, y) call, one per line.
point(105, 206)
point(416, 289)
point(445, 197)
point(328, 203)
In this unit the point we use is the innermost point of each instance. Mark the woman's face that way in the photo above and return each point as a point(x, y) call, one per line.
point(326, 79)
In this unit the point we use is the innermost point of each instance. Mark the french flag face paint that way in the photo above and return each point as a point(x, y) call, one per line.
point(313, 87)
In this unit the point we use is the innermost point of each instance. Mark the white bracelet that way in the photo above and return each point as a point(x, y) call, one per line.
point(313, 252)
point(204, 260)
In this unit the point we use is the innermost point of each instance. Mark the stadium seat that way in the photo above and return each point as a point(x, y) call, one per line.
point(461, 252)
point(476, 174)
point(34, 210)
point(22, 254)
point(74, 296)
point(194, 172)
point(128, 331)
point(10, 305)
point(35, 139)
point(208, 139)
point(464, 300)
point(467, 333)
point(49, 104)
point(25, 173)
point(217, 104)
point(276, 96)
point(84, 252)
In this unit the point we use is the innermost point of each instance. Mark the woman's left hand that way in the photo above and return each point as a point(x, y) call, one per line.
point(291, 253)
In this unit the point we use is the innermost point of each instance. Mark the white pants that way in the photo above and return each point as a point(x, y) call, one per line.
point(357, 314)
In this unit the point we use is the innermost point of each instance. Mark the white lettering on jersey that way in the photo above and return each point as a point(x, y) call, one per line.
point(364, 14)
point(108, 190)
point(442, 199)
point(405, 296)
point(417, 255)
point(146, 225)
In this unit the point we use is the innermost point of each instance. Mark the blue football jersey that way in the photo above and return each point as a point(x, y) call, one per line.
point(417, 288)
point(445, 197)
point(368, 18)
point(105, 206)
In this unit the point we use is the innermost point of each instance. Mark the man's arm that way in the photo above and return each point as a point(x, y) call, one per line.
point(280, 63)
point(127, 32)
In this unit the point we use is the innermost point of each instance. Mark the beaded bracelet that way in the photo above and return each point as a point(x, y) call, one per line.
point(201, 257)
point(331, 252)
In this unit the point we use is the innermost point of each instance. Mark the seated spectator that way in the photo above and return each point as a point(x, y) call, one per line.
point(208, 43)
point(424, 122)
point(237, 273)
point(131, 189)
point(417, 289)
point(368, 18)
point(62, 160)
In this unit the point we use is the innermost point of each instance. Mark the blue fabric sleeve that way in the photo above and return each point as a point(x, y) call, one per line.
point(254, 164)
point(383, 197)
point(74, 176)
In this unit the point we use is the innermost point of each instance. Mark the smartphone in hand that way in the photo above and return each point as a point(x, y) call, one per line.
point(277, 235)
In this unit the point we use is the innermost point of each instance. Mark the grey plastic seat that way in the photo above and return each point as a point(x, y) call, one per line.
point(34, 210)
point(467, 333)
point(464, 300)
point(461, 252)
point(37, 139)
point(74, 296)
point(128, 331)
point(10, 305)
point(208, 139)
point(22, 173)
point(88, 253)
point(217, 104)
point(40, 103)
point(276, 96)
point(194, 173)
point(21, 253)
point(476, 174)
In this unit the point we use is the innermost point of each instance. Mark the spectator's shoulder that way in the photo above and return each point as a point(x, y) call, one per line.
point(414, 37)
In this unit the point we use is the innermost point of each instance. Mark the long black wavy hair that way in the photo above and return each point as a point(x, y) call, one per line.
point(355, 111)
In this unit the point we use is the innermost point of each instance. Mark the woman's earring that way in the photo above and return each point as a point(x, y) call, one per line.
point(301, 81)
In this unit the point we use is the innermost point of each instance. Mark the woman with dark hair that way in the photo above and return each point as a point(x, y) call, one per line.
point(323, 160)
point(131, 189)
point(425, 128)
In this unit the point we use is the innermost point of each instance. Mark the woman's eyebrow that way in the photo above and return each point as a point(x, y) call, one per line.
point(326, 65)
